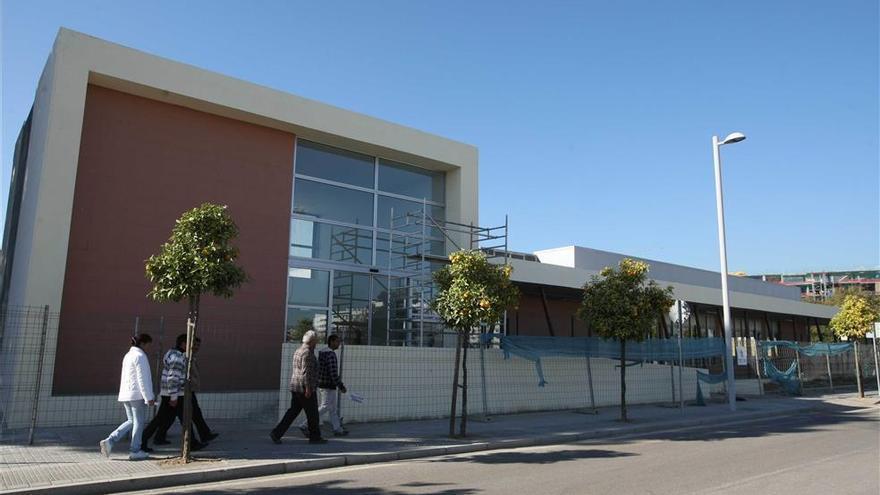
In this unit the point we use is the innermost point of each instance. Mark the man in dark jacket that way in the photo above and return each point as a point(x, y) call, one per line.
point(303, 388)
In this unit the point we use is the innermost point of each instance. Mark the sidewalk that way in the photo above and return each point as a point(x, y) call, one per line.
point(67, 460)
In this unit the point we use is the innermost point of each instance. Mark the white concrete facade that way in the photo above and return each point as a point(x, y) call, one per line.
point(572, 266)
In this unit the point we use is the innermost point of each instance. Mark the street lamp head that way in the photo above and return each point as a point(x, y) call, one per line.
point(733, 137)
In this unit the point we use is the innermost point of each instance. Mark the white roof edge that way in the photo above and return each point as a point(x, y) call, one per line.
point(575, 278)
point(126, 64)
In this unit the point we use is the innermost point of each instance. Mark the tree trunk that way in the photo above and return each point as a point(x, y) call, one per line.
point(858, 370)
point(464, 385)
point(623, 380)
point(455, 386)
point(193, 319)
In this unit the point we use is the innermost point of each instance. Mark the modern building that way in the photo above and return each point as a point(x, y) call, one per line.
point(819, 286)
point(342, 217)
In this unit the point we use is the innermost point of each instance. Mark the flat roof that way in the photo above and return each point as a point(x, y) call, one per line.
point(573, 266)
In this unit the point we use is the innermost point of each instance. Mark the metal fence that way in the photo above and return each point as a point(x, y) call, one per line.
point(824, 373)
point(47, 381)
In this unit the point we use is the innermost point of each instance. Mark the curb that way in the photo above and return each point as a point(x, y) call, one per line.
point(273, 468)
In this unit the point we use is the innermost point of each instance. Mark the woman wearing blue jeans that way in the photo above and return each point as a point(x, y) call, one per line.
point(135, 393)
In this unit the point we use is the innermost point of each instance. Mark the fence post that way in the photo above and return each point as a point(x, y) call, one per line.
point(828, 367)
point(876, 365)
point(858, 370)
point(590, 380)
point(680, 358)
point(341, 363)
point(758, 351)
point(45, 327)
point(797, 357)
point(483, 381)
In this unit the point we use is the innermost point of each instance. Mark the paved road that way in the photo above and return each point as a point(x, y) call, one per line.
point(830, 452)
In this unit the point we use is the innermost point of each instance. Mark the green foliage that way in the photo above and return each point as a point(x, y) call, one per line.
point(473, 291)
point(841, 293)
point(855, 318)
point(198, 258)
point(295, 333)
point(622, 304)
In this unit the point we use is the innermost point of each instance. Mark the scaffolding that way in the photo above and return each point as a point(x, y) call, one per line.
point(418, 243)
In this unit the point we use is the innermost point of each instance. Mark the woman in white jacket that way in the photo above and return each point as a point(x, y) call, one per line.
point(135, 393)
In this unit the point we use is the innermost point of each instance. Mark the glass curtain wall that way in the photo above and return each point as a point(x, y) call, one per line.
point(340, 231)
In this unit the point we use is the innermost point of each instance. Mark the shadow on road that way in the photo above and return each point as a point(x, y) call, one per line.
point(827, 416)
point(336, 487)
point(521, 457)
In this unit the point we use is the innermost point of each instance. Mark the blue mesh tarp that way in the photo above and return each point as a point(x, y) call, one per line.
point(788, 379)
point(534, 348)
point(812, 350)
point(707, 378)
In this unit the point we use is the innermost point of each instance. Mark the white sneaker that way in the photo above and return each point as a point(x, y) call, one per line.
point(106, 447)
point(138, 456)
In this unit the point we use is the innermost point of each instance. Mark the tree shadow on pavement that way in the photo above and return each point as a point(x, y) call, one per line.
point(525, 457)
point(336, 487)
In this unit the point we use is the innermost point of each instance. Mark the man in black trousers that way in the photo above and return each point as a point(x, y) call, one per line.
point(304, 390)
point(173, 381)
point(195, 384)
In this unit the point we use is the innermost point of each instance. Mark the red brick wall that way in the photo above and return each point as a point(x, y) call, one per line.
point(142, 163)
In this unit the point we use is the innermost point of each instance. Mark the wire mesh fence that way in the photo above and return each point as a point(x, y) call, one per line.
point(798, 372)
point(71, 378)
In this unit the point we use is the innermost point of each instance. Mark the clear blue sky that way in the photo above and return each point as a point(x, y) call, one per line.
point(593, 119)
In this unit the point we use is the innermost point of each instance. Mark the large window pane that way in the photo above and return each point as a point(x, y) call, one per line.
point(351, 306)
point(411, 181)
point(310, 239)
point(307, 287)
point(326, 162)
point(379, 313)
point(332, 202)
point(405, 254)
point(301, 320)
point(402, 209)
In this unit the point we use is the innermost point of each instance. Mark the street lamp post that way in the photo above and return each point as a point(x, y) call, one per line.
point(722, 241)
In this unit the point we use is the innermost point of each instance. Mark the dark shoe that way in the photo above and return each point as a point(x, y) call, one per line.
point(161, 441)
point(317, 440)
point(144, 448)
point(340, 433)
point(210, 436)
point(305, 431)
point(198, 446)
point(275, 440)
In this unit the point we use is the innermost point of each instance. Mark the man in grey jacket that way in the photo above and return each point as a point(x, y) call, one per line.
point(304, 391)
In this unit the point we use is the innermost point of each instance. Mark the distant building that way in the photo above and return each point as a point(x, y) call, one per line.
point(818, 286)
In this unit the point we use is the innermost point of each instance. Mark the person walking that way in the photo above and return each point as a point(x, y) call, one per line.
point(195, 384)
point(135, 393)
point(303, 388)
point(328, 384)
point(171, 391)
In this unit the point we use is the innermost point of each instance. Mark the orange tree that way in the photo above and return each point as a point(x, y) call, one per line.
point(855, 319)
point(198, 259)
point(623, 304)
point(471, 292)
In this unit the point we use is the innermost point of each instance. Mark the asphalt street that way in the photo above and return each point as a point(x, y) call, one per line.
point(835, 451)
